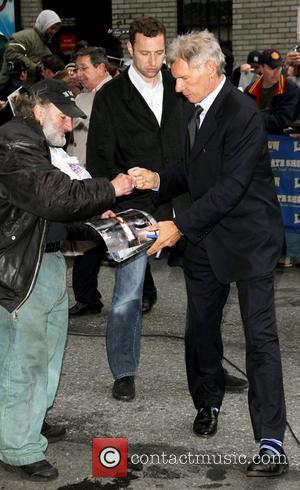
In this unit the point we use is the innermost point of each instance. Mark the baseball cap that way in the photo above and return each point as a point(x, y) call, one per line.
point(58, 92)
point(71, 65)
point(15, 67)
point(253, 58)
point(271, 57)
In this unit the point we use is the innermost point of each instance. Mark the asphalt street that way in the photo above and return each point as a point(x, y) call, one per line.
point(158, 423)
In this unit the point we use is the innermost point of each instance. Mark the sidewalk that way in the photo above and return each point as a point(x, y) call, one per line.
point(158, 423)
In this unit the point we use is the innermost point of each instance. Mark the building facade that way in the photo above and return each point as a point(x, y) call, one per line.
point(243, 24)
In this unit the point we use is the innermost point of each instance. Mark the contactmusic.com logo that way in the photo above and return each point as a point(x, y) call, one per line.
point(110, 457)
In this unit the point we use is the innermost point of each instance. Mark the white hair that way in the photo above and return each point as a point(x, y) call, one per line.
point(196, 48)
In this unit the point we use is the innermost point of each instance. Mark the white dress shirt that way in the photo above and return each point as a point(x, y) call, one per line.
point(209, 100)
point(153, 94)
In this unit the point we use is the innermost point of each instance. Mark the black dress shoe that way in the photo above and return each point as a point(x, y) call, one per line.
point(148, 301)
point(39, 471)
point(124, 389)
point(267, 464)
point(80, 309)
point(53, 433)
point(234, 384)
point(206, 422)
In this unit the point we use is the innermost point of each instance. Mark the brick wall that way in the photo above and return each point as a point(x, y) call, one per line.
point(125, 11)
point(257, 24)
point(261, 24)
point(29, 12)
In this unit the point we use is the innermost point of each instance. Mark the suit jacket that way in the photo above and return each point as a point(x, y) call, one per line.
point(234, 207)
point(84, 100)
point(124, 133)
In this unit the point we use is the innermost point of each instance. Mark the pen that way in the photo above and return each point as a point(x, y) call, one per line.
point(152, 234)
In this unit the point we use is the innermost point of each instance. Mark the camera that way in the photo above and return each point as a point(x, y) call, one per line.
point(296, 66)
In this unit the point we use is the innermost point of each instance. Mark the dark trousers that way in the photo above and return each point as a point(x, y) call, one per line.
point(85, 276)
point(204, 351)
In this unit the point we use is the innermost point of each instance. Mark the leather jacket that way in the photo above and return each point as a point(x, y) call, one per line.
point(32, 192)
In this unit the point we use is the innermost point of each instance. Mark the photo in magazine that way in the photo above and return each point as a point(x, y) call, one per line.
point(126, 234)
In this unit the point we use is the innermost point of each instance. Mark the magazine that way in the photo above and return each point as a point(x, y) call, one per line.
point(126, 234)
point(13, 96)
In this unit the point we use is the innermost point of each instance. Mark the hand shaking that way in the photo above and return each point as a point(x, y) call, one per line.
point(139, 178)
point(123, 185)
point(143, 179)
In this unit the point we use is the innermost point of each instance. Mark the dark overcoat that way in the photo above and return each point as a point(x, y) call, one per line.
point(124, 133)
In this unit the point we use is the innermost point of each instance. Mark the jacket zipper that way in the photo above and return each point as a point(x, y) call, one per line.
point(15, 312)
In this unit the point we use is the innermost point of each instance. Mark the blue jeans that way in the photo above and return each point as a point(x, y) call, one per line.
point(123, 334)
point(31, 352)
point(292, 241)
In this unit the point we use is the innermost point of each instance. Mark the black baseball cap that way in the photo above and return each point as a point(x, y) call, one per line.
point(271, 57)
point(253, 58)
point(58, 92)
point(15, 67)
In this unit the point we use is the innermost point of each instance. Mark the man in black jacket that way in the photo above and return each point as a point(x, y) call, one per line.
point(233, 233)
point(135, 119)
point(35, 199)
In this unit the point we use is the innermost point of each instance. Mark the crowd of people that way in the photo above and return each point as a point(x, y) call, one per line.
point(139, 138)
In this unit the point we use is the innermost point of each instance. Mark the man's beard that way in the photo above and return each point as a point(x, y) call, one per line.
point(52, 136)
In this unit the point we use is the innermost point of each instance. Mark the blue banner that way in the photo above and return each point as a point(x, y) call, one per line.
point(285, 161)
point(7, 18)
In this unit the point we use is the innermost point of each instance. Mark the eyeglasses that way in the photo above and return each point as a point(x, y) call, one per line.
point(85, 68)
point(82, 68)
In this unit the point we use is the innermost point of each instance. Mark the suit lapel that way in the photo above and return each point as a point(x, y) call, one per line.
point(211, 121)
point(136, 102)
point(169, 97)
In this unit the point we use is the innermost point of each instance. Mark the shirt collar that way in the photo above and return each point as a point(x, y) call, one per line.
point(209, 100)
point(139, 82)
point(106, 79)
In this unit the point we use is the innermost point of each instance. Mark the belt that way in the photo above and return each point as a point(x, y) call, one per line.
point(52, 247)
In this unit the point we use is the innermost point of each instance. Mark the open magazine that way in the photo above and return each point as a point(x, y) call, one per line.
point(125, 235)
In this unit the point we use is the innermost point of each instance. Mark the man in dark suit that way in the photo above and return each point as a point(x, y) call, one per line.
point(135, 119)
point(233, 232)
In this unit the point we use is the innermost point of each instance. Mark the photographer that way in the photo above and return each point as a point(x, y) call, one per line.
point(293, 64)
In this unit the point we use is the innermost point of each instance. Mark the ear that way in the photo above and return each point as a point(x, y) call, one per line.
point(38, 111)
point(102, 68)
point(211, 68)
point(130, 48)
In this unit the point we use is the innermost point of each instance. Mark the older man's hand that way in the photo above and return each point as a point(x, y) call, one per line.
point(123, 185)
point(108, 214)
point(144, 179)
point(168, 235)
